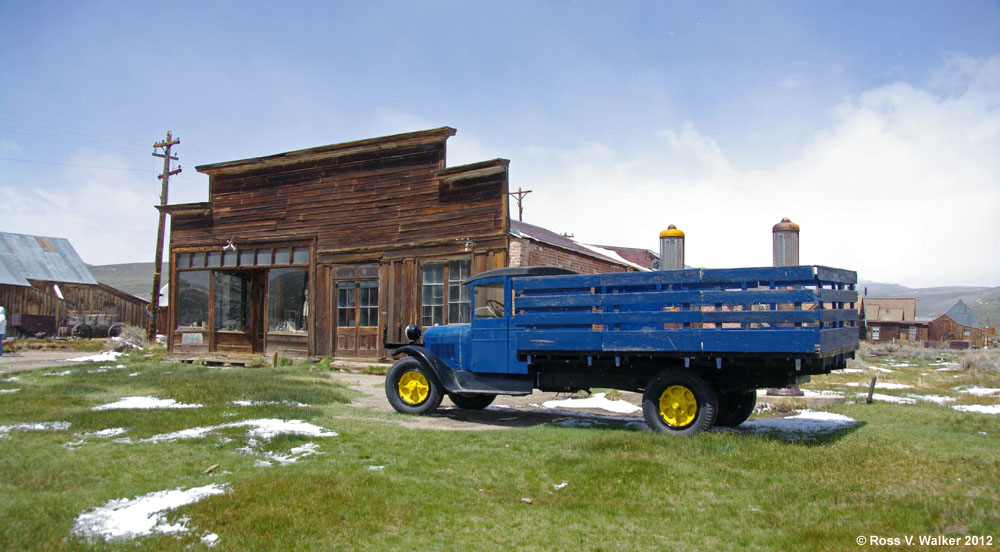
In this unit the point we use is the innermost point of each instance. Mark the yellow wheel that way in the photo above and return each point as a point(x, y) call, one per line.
point(679, 402)
point(678, 407)
point(412, 387)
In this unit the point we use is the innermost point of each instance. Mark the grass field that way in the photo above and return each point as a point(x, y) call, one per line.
point(901, 470)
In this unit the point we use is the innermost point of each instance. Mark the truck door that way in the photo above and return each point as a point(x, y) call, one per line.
point(490, 317)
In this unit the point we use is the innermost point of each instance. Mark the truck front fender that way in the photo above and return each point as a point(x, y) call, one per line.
point(445, 375)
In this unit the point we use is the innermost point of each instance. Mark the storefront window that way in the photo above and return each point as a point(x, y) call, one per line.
point(458, 294)
point(232, 301)
point(346, 304)
point(432, 296)
point(288, 300)
point(192, 300)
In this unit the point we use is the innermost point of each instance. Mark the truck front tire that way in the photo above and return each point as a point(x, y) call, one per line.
point(412, 388)
point(679, 403)
point(735, 408)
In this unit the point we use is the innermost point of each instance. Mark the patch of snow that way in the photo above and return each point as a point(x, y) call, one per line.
point(881, 385)
point(946, 369)
point(124, 519)
point(939, 399)
point(295, 454)
point(881, 369)
point(560, 486)
point(888, 398)
point(110, 432)
point(13, 378)
point(261, 403)
point(66, 373)
point(376, 468)
point(802, 424)
point(133, 374)
point(823, 393)
point(106, 356)
point(598, 400)
point(15, 390)
point(980, 408)
point(265, 428)
point(980, 391)
point(850, 371)
point(38, 426)
point(144, 403)
point(210, 539)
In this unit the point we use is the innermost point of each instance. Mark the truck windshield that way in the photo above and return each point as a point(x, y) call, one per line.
point(489, 300)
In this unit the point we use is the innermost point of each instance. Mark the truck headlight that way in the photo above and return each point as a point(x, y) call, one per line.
point(412, 332)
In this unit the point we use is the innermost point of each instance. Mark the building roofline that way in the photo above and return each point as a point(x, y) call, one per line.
point(331, 151)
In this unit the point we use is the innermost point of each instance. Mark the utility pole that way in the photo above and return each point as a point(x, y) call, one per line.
point(165, 178)
point(519, 195)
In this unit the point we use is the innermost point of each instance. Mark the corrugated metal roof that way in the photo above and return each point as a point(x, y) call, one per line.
point(964, 315)
point(24, 257)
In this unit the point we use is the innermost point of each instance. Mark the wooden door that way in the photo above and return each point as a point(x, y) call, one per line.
point(356, 313)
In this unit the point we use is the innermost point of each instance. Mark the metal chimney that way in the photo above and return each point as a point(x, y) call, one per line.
point(786, 243)
point(671, 249)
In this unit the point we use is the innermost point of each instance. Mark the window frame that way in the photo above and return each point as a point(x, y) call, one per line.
point(447, 283)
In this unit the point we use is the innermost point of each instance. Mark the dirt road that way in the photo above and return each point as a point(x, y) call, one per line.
point(31, 359)
point(506, 412)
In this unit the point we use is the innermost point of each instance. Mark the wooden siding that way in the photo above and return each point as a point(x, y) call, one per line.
point(40, 299)
point(387, 202)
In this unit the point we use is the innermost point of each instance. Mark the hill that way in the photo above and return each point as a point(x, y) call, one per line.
point(935, 301)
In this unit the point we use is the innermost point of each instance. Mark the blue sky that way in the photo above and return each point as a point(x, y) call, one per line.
point(874, 125)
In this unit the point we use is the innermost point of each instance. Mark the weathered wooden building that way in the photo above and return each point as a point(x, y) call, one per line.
point(333, 250)
point(892, 320)
point(44, 285)
point(958, 328)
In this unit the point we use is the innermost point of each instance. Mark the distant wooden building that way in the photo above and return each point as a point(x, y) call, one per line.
point(44, 286)
point(334, 250)
point(892, 320)
point(958, 328)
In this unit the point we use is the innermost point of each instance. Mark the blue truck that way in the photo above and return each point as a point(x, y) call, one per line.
point(697, 343)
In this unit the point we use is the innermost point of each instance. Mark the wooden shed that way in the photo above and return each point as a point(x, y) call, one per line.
point(44, 286)
point(334, 250)
point(958, 328)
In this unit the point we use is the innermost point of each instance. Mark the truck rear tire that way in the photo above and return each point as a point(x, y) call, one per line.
point(735, 408)
point(679, 403)
point(468, 401)
point(412, 388)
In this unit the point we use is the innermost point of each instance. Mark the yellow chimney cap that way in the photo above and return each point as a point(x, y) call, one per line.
point(786, 225)
point(671, 232)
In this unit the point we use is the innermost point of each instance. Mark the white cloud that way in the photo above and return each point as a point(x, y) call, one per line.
point(10, 147)
point(903, 187)
point(107, 215)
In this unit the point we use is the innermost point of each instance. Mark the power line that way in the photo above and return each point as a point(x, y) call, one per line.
point(74, 165)
point(42, 128)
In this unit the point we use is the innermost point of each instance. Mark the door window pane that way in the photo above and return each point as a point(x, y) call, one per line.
point(368, 317)
point(192, 300)
point(232, 301)
point(347, 293)
point(288, 300)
